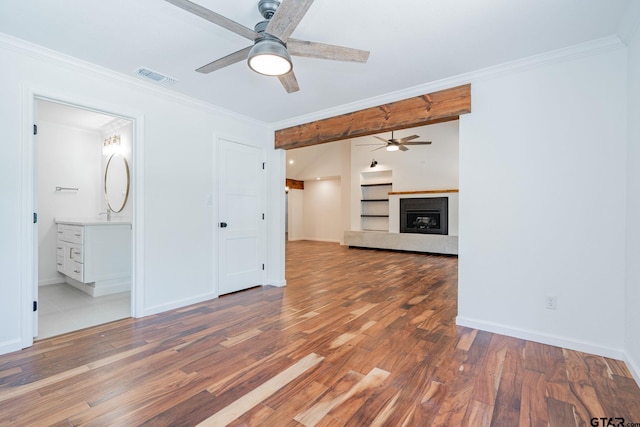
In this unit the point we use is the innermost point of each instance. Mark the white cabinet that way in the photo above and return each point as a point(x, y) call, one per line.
point(95, 257)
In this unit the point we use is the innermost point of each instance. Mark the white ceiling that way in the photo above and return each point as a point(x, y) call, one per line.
point(412, 42)
point(66, 115)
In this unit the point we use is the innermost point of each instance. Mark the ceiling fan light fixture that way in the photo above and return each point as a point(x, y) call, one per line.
point(269, 57)
point(393, 147)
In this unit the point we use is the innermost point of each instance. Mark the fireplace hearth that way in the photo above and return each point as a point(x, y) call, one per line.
point(427, 215)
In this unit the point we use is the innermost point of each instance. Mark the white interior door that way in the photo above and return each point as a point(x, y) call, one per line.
point(241, 248)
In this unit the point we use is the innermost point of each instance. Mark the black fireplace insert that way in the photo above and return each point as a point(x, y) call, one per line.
point(427, 215)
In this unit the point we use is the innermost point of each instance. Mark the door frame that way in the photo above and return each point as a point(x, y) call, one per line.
point(28, 190)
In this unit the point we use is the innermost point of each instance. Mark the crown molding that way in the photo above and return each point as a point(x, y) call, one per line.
point(630, 22)
point(56, 58)
point(560, 55)
point(593, 47)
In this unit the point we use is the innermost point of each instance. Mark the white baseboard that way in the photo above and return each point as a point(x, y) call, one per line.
point(321, 240)
point(10, 346)
point(633, 367)
point(160, 308)
point(51, 281)
point(105, 287)
point(557, 341)
point(278, 283)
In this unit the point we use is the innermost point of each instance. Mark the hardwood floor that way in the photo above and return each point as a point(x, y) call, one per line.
point(358, 337)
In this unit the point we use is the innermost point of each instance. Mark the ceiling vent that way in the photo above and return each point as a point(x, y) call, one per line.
point(155, 76)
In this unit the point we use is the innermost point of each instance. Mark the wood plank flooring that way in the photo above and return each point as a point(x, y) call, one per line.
point(357, 338)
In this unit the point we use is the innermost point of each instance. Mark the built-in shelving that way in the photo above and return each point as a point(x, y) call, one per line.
point(375, 187)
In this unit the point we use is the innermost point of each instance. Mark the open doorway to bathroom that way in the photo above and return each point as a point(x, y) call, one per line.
point(84, 239)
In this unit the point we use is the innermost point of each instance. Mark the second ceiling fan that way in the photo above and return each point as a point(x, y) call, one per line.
point(272, 48)
point(395, 144)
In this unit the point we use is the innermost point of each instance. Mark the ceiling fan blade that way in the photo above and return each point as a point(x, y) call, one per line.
point(326, 51)
point(217, 19)
point(224, 61)
point(384, 146)
point(417, 143)
point(408, 138)
point(289, 82)
point(287, 17)
point(386, 141)
point(402, 148)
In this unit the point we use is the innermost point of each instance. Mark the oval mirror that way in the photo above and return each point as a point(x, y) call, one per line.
point(116, 182)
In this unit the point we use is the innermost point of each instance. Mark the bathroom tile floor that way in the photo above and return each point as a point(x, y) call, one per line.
point(63, 308)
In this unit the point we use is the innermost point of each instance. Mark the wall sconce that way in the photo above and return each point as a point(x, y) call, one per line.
point(111, 145)
point(374, 163)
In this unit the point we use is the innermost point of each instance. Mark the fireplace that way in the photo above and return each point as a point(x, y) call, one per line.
point(428, 215)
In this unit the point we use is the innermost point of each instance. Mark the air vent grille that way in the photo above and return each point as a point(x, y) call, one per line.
point(155, 76)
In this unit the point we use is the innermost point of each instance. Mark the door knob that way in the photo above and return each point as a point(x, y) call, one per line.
point(223, 225)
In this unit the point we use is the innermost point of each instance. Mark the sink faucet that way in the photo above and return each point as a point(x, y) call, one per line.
point(107, 213)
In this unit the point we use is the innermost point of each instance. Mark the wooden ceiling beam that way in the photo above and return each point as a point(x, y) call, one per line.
point(294, 184)
point(436, 107)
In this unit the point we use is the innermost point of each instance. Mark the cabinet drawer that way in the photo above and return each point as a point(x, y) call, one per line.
point(70, 233)
point(77, 254)
point(77, 272)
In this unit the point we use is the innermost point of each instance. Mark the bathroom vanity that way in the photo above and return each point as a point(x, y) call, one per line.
point(95, 255)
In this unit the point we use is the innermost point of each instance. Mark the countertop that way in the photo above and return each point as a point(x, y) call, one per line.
point(93, 221)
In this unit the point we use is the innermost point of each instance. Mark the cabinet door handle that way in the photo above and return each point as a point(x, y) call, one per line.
point(76, 271)
point(59, 263)
point(77, 234)
point(223, 225)
point(70, 252)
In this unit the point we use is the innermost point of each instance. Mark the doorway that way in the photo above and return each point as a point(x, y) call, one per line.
point(75, 153)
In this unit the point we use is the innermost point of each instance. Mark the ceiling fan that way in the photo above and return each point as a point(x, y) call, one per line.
point(272, 48)
point(395, 144)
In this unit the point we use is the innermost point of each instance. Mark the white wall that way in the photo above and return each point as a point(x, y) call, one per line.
point(323, 210)
point(632, 298)
point(67, 157)
point(177, 223)
point(542, 203)
point(296, 214)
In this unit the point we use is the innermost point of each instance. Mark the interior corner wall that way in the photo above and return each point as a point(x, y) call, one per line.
point(296, 214)
point(345, 188)
point(322, 210)
point(632, 298)
point(542, 203)
point(179, 177)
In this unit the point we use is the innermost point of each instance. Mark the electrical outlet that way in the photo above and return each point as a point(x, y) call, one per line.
point(551, 302)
